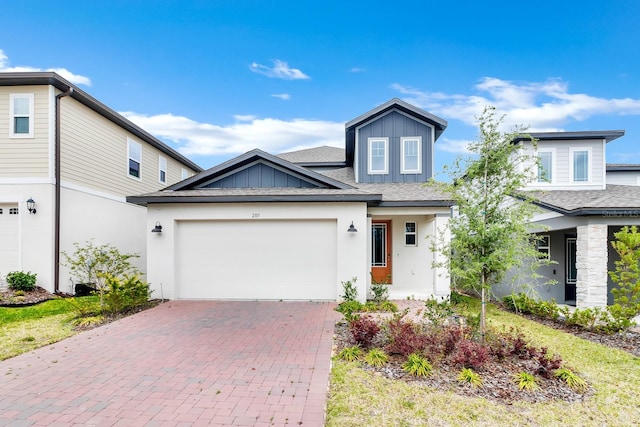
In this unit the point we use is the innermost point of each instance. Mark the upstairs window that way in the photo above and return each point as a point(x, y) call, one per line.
point(162, 170)
point(545, 166)
point(411, 154)
point(184, 174)
point(134, 158)
point(21, 115)
point(580, 164)
point(378, 155)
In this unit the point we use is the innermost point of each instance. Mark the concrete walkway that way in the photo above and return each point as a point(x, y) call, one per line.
point(182, 363)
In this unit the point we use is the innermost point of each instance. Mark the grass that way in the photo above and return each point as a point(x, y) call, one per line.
point(358, 398)
point(26, 328)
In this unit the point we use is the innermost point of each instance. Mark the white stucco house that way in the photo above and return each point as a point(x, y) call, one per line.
point(76, 160)
point(583, 201)
point(296, 225)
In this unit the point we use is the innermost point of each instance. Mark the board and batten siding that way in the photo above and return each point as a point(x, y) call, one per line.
point(259, 175)
point(562, 178)
point(94, 154)
point(394, 126)
point(25, 157)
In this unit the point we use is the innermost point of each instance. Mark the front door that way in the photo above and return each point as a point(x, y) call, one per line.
point(381, 251)
point(571, 272)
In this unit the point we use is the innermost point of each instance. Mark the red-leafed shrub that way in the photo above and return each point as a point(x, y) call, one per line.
point(364, 330)
point(404, 338)
point(549, 363)
point(470, 354)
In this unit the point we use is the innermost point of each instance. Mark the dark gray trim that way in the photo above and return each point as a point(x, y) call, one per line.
point(584, 211)
point(144, 200)
point(418, 203)
point(53, 79)
point(250, 157)
point(612, 167)
point(608, 135)
point(412, 110)
point(321, 164)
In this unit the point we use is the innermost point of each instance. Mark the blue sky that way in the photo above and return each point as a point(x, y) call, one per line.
point(217, 78)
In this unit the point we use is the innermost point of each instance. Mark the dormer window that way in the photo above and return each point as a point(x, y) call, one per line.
point(545, 166)
point(378, 155)
point(580, 164)
point(410, 147)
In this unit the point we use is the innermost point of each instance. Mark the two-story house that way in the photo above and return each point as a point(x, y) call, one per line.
point(295, 226)
point(67, 163)
point(583, 202)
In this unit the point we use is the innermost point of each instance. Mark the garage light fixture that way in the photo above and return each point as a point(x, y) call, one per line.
point(31, 206)
point(352, 228)
point(157, 228)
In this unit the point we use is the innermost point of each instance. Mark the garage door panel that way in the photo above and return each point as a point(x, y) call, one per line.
point(256, 259)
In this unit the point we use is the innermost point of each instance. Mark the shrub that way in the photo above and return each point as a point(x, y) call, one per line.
point(125, 294)
point(468, 376)
point(572, 380)
point(417, 365)
point(376, 358)
point(585, 317)
point(379, 291)
point(21, 281)
point(404, 338)
point(525, 381)
point(350, 290)
point(618, 319)
point(436, 312)
point(350, 354)
point(388, 306)
point(470, 354)
point(349, 310)
point(364, 330)
point(627, 272)
point(549, 363)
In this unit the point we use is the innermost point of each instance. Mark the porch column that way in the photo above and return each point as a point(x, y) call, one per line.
point(441, 279)
point(591, 264)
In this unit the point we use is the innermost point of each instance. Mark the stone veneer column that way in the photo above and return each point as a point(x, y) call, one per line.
point(591, 263)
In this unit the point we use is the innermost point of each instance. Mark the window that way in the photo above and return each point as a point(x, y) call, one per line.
point(13, 211)
point(545, 167)
point(184, 174)
point(571, 269)
point(162, 167)
point(134, 159)
point(411, 154)
point(543, 245)
point(410, 233)
point(378, 155)
point(21, 114)
point(580, 167)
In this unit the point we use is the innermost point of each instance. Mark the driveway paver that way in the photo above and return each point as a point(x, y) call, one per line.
point(235, 363)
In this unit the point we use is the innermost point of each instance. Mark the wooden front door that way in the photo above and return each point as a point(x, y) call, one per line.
point(381, 251)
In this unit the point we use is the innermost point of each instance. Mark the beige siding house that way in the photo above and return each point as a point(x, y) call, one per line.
point(79, 194)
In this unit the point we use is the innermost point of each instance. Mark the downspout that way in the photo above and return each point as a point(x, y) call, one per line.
point(56, 238)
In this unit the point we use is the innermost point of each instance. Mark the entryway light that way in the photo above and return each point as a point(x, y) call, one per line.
point(157, 228)
point(352, 228)
point(31, 206)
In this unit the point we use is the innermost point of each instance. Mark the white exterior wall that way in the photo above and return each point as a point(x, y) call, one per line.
point(623, 178)
point(351, 255)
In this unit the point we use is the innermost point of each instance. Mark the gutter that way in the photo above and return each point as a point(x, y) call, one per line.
point(56, 238)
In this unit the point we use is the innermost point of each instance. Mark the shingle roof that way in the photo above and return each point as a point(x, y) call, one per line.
point(590, 202)
point(323, 154)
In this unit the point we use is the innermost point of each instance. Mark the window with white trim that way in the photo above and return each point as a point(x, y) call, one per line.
point(410, 156)
point(378, 155)
point(410, 234)
point(545, 166)
point(184, 174)
point(21, 115)
point(580, 159)
point(543, 245)
point(134, 159)
point(162, 169)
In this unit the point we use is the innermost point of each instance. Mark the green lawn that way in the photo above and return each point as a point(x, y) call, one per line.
point(359, 398)
point(25, 328)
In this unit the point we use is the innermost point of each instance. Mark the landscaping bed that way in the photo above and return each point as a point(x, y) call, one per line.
point(11, 298)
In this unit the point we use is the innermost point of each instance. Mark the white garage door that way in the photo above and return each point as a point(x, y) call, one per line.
point(289, 260)
point(8, 239)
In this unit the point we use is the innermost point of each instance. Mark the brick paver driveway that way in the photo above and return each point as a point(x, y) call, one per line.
point(181, 363)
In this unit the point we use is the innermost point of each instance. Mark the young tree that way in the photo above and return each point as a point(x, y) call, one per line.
point(627, 272)
point(490, 233)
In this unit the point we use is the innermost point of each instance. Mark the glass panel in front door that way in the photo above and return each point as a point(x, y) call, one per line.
point(379, 245)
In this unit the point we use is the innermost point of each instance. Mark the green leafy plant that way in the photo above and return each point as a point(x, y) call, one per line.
point(526, 381)
point(125, 294)
point(350, 309)
point(376, 357)
point(20, 293)
point(469, 376)
point(436, 312)
point(379, 290)
point(417, 365)
point(572, 380)
point(350, 290)
point(627, 272)
point(350, 354)
point(388, 306)
point(88, 322)
point(583, 317)
point(21, 281)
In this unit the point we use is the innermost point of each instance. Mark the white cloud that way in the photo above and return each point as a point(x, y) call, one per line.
point(280, 70)
point(270, 135)
point(283, 96)
point(545, 106)
point(357, 70)
point(73, 78)
point(456, 146)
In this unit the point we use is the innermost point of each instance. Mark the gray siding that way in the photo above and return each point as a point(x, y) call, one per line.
point(259, 176)
point(394, 126)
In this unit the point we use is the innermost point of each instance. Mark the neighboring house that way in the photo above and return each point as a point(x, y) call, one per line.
point(583, 201)
point(77, 160)
point(295, 226)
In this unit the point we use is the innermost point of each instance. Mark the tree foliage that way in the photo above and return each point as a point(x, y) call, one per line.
point(627, 272)
point(491, 234)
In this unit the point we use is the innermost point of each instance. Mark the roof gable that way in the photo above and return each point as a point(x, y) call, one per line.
point(258, 169)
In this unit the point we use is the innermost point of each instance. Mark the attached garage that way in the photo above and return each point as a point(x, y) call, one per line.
point(256, 259)
point(9, 238)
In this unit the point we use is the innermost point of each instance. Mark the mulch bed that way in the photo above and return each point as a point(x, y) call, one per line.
point(8, 298)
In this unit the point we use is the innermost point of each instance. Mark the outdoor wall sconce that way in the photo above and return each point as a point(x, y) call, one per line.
point(31, 206)
point(157, 228)
point(352, 228)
